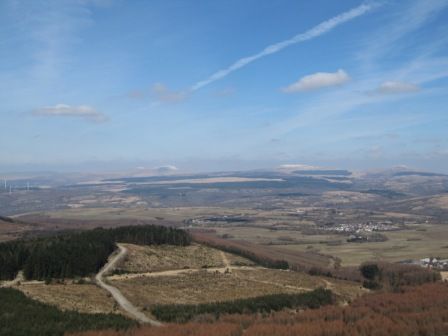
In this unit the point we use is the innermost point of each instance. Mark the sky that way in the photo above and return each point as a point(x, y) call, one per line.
point(218, 85)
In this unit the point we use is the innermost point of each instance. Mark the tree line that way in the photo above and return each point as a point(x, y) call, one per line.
point(78, 254)
point(20, 315)
point(262, 304)
point(392, 277)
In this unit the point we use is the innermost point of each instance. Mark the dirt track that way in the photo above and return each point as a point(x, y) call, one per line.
point(181, 271)
point(444, 276)
point(225, 261)
point(121, 300)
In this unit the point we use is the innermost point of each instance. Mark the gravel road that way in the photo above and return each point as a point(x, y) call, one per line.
point(121, 300)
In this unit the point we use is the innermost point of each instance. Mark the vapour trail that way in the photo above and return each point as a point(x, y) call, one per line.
point(320, 29)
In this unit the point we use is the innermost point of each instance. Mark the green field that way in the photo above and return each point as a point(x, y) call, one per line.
point(282, 230)
point(402, 245)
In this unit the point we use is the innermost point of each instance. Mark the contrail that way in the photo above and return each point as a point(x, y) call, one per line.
point(316, 31)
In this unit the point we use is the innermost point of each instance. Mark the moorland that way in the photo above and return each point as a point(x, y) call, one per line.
point(188, 250)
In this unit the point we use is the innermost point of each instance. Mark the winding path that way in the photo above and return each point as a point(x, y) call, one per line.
point(121, 300)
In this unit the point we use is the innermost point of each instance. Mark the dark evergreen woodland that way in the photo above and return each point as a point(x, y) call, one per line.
point(20, 316)
point(261, 304)
point(78, 254)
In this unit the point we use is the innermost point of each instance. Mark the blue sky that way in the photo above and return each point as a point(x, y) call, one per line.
point(216, 85)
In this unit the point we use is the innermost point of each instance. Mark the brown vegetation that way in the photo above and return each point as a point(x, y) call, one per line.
point(201, 287)
point(141, 259)
point(11, 229)
point(265, 254)
point(85, 298)
point(392, 277)
point(421, 310)
point(49, 223)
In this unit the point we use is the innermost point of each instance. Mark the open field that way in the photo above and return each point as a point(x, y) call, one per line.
point(197, 285)
point(169, 214)
point(347, 197)
point(346, 290)
point(439, 202)
point(307, 220)
point(401, 245)
point(141, 259)
point(289, 231)
point(203, 286)
point(11, 229)
point(273, 236)
point(169, 281)
point(86, 298)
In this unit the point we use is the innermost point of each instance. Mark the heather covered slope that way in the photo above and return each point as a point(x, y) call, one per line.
point(421, 310)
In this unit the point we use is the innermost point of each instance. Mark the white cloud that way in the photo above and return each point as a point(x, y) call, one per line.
point(392, 87)
point(320, 29)
point(318, 80)
point(297, 166)
point(166, 169)
point(63, 110)
point(163, 94)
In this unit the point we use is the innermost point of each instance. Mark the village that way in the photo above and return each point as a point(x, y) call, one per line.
point(435, 263)
point(356, 228)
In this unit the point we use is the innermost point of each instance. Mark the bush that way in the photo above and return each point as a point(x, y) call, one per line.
point(370, 271)
point(370, 284)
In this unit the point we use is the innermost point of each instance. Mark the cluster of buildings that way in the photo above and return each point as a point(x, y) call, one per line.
point(440, 264)
point(354, 228)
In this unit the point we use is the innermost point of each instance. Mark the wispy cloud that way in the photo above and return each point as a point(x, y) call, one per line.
point(359, 94)
point(318, 80)
point(320, 29)
point(55, 30)
point(63, 110)
point(50, 33)
point(395, 87)
point(160, 93)
point(409, 77)
point(384, 42)
point(164, 94)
